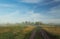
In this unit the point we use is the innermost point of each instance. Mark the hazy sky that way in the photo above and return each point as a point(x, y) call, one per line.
point(15, 11)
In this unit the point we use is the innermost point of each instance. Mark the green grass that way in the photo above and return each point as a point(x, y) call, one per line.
point(27, 36)
point(15, 32)
point(7, 35)
point(11, 32)
point(54, 36)
point(38, 35)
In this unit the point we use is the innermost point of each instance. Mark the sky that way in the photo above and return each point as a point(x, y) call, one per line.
point(16, 11)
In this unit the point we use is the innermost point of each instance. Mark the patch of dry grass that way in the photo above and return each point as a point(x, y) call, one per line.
point(16, 29)
point(53, 30)
point(28, 29)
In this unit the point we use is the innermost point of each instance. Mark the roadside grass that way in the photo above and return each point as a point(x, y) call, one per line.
point(53, 32)
point(53, 36)
point(38, 35)
point(27, 36)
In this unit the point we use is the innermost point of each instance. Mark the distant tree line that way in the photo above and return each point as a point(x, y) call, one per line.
point(32, 23)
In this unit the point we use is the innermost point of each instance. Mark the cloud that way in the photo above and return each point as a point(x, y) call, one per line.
point(55, 21)
point(32, 16)
point(17, 17)
point(31, 1)
point(7, 5)
point(39, 1)
point(39, 17)
point(9, 18)
point(55, 12)
point(14, 18)
point(56, 0)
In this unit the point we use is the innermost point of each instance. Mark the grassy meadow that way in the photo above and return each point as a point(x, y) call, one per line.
point(23, 31)
point(15, 32)
point(52, 30)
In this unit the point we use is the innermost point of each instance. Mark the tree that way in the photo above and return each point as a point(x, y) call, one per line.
point(38, 23)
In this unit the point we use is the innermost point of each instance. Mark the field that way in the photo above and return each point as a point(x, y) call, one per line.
point(24, 31)
point(53, 31)
point(15, 32)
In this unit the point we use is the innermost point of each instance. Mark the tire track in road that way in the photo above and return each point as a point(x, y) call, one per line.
point(44, 34)
point(33, 35)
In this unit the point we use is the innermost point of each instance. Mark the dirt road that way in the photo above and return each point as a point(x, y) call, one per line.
point(41, 32)
point(44, 34)
point(33, 35)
